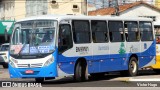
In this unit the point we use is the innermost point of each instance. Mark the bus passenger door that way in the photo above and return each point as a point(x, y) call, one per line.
point(65, 44)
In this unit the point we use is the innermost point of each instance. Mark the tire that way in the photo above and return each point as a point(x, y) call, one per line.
point(5, 65)
point(39, 80)
point(133, 67)
point(81, 72)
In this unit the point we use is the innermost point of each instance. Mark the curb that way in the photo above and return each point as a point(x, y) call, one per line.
point(148, 79)
point(135, 79)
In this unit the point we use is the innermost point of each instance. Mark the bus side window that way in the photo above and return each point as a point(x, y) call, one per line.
point(65, 38)
point(116, 31)
point(99, 31)
point(81, 31)
point(131, 31)
point(146, 31)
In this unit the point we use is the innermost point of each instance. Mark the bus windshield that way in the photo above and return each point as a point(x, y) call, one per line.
point(34, 37)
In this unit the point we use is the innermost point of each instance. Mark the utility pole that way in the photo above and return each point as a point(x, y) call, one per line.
point(116, 8)
point(109, 3)
point(103, 4)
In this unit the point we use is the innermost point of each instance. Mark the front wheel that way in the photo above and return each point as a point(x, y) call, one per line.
point(81, 72)
point(133, 67)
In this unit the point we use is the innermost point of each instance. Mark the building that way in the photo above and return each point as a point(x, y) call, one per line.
point(91, 7)
point(5, 30)
point(137, 9)
point(17, 9)
point(157, 3)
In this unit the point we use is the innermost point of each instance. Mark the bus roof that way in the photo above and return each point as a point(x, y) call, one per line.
point(80, 17)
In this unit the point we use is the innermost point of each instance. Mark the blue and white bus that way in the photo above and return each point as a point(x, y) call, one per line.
point(50, 46)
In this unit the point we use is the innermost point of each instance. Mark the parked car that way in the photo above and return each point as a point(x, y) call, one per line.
point(4, 55)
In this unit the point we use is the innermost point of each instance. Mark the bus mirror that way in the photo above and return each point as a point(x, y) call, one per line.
point(5, 35)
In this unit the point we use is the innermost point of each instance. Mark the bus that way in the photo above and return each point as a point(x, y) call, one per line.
point(156, 67)
point(50, 46)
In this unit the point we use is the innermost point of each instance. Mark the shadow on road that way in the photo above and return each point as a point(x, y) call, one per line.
point(108, 77)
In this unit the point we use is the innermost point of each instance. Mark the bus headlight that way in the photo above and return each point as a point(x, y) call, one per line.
point(11, 63)
point(49, 61)
point(13, 60)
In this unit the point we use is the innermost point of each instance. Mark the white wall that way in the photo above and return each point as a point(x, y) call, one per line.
point(141, 10)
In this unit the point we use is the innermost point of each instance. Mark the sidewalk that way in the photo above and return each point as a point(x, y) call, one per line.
point(138, 78)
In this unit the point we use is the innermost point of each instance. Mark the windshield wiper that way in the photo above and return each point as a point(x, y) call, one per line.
point(21, 49)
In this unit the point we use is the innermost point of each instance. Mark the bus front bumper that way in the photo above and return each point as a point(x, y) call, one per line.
point(49, 71)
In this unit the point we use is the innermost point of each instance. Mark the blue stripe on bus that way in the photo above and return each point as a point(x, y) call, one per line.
point(110, 63)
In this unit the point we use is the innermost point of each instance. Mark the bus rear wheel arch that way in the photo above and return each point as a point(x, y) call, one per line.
point(81, 70)
point(132, 67)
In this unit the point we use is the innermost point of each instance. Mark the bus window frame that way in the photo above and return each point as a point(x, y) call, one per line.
point(89, 31)
point(106, 23)
point(122, 30)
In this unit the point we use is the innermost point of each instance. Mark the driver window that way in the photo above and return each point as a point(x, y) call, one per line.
point(15, 36)
point(65, 38)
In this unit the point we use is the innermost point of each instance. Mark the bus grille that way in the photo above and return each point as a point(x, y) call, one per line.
point(35, 65)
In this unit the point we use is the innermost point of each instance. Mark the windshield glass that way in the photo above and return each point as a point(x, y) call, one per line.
point(4, 48)
point(33, 37)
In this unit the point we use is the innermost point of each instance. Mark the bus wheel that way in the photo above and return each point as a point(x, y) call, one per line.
point(39, 80)
point(5, 65)
point(133, 67)
point(81, 72)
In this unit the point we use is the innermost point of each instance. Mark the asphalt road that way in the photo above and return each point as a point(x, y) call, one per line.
point(109, 80)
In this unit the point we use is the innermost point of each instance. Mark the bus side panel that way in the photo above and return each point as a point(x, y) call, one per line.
point(67, 60)
point(147, 57)
point(100, 57)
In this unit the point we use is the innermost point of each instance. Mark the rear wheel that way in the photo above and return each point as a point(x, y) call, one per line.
point(133, 67)
point(81, 72)
point(39, 80)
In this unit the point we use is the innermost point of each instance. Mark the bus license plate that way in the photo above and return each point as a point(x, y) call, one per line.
point(29, 71)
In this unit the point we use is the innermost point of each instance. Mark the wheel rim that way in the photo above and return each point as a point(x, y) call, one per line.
point(133, 66)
